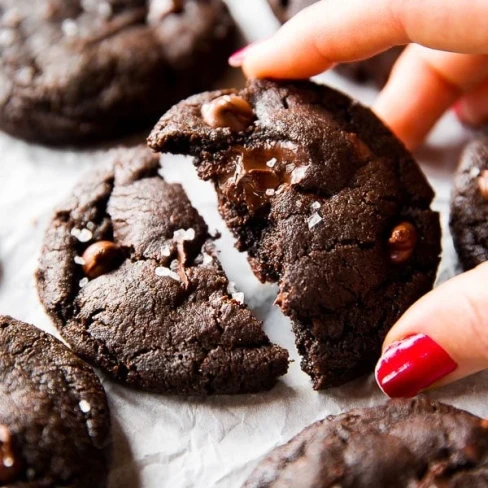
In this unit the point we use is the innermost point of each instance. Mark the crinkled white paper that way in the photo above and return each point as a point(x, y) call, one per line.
point(188, 442)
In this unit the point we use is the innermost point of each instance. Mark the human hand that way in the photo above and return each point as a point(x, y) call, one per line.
point(444, 336)
point(447, 63)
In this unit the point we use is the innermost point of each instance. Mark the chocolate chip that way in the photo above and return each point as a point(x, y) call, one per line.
point(402, 241)
point(483, 184)
point(101, 258)
point(228, 111)
point(9, 462)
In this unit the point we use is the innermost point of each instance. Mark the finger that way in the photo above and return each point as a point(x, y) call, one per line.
point(472, 108)
point(423, 84)
point(441, 338)
point(330, 32)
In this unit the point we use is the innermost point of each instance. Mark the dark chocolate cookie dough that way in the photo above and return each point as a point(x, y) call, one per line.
point(469, 205)
point(403, 444)
point(54, 418)
point(130, 278)
point(76, 71)
point(375, 69)
point(326, 201)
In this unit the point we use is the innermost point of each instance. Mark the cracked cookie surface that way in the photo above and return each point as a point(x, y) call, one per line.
point(54, 417)
point(323, 198)
point(77, 71)
point(469, 205)
point(162, 316)
point(406, 443)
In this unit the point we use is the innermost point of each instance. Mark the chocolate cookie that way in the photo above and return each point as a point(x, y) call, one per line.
point(469, 205)
point(76, 71)
point(54, 418)
point(129, 275)
point(326, 201)
point(406, 444)
point(375, 69)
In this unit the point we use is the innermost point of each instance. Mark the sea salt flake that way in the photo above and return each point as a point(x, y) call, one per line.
point(11, 18)
point(85, 407)
point(174, 265)
point(83, 282)
point(105, 10)
point(314, 220)
point(69, 28)
point(238, 297)
point(270, 192)
point(198, 259)
point(299, 204)
point(271, 163)
point(474, 172)
point(162, 271)
point(181, 235)
point(315, 205)
point(79, 260)
point(83, 235)
point(207, 259)
point(8, 461)
point(231, 288)
point(165, 250)
point(90, 226)
point(298, 174)
point(25, 75)
point(7, 37)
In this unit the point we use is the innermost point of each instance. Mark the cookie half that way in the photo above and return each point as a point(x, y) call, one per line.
point(405, 444)
point(326, 201)
point(79, 71)
point(129, 275)
point(469, 205)
point(54, 418)
point(376, 69)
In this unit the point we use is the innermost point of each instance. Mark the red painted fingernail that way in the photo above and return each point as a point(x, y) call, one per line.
point(237, 58)
point(458, 110)
point(411, 365)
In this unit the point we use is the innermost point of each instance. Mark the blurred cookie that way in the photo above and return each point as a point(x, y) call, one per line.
point(129, 275)
point(405, 444)
point(54, 418)
point(469, 205)
point(326, 201)
point(78, 71)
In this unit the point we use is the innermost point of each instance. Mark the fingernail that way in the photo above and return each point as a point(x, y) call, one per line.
point(236, 60)
point(411, 365)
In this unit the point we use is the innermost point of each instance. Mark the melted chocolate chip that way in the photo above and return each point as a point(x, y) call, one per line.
point(402, 241)
point(100, 258)
point(483, 184)
point(228, 111)
point(9, 462)
point(260, 172)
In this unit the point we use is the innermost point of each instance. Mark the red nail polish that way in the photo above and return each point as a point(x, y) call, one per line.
point(237, 58)
point(457, 108)
point(411, 365)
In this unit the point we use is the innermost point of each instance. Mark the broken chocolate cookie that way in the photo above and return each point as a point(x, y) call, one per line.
point(54, 417)
point(130, 277)
point(328, 203)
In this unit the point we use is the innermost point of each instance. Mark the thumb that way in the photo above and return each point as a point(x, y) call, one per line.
point(441, 338)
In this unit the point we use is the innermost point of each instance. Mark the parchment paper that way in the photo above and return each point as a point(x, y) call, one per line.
point(190, 442)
